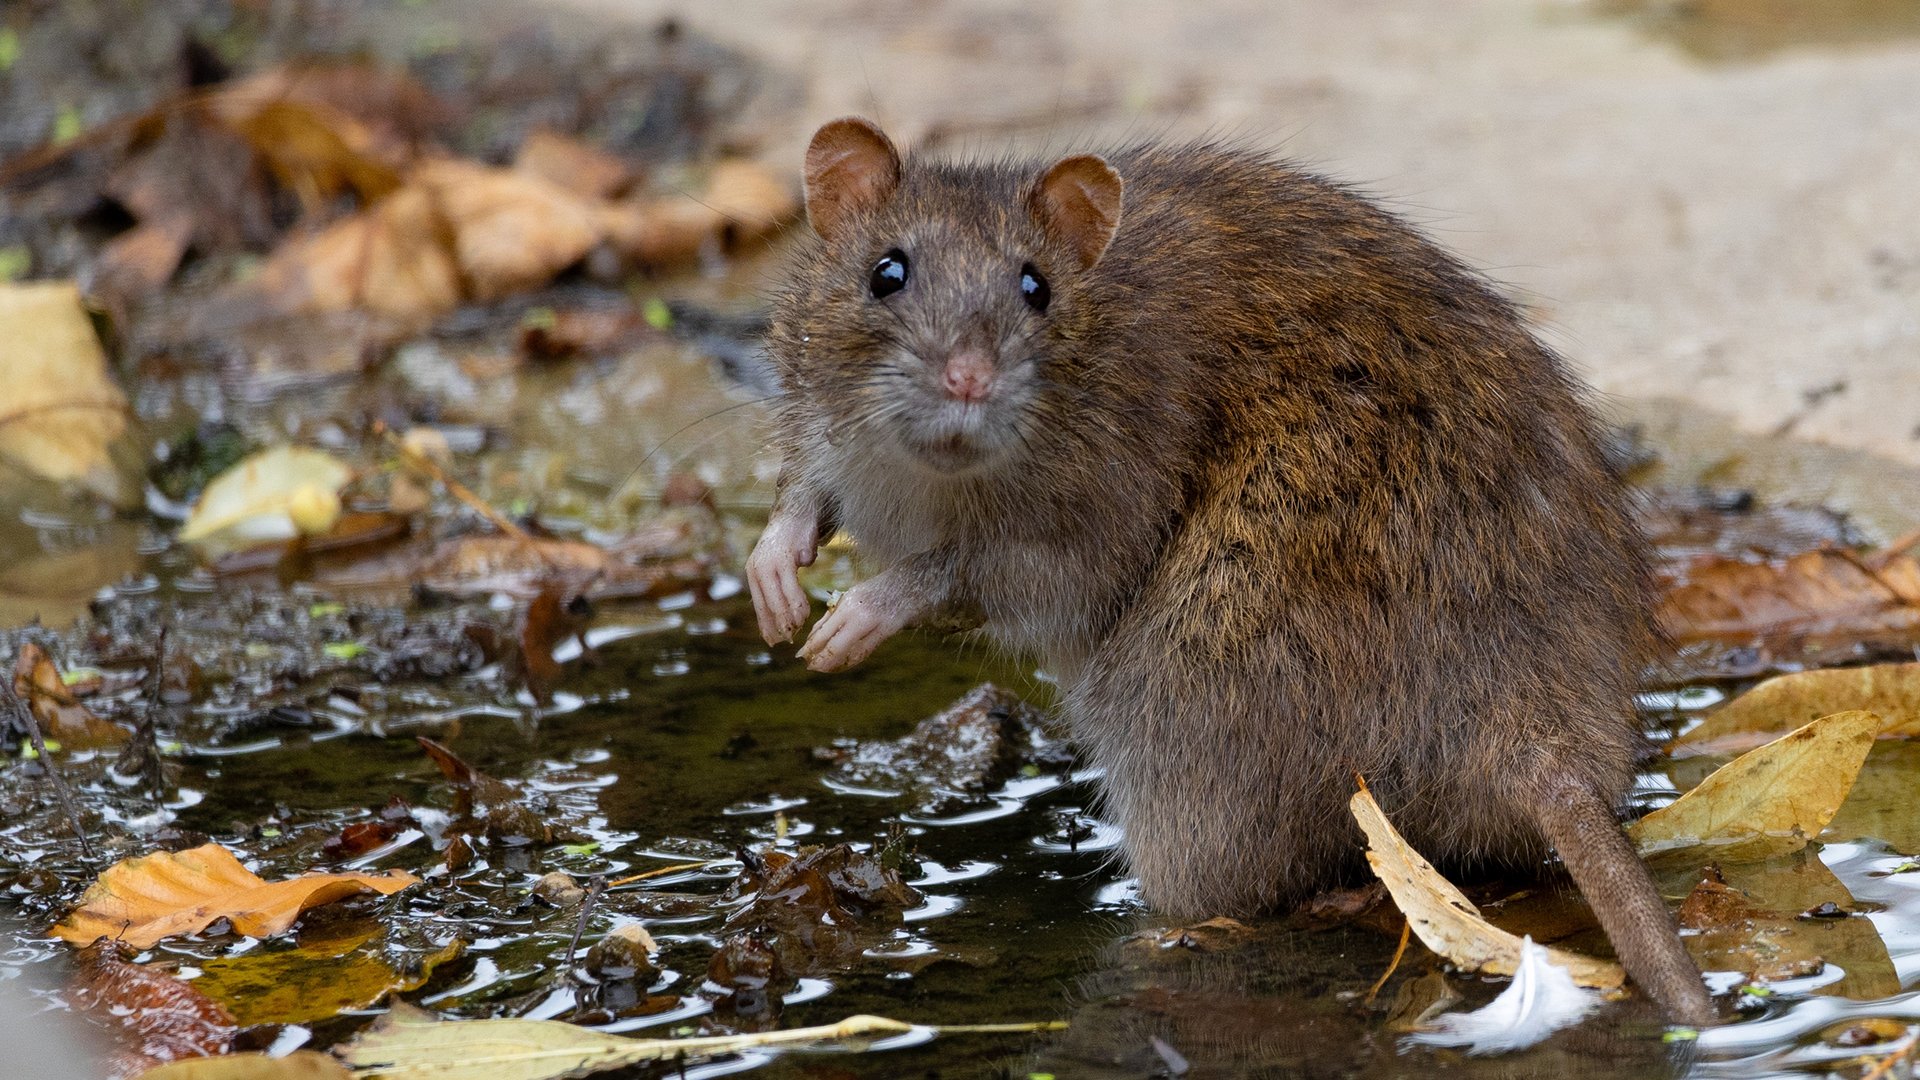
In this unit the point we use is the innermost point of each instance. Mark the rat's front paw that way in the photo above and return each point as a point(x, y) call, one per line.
point(850, 630)
point(773, 579)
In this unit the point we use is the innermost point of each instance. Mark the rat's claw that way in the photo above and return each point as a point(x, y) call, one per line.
point(779, 603)
point(847, 634)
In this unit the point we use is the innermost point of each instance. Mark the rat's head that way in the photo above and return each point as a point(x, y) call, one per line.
point(940, 311)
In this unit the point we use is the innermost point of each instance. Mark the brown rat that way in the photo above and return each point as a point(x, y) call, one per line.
point(1278, 490)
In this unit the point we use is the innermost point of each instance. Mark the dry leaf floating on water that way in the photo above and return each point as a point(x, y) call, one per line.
point(1785, 702)
point(141, 900)
point(1769, 801)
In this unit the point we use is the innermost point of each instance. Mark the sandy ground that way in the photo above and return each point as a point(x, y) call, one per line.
point(1741, 237)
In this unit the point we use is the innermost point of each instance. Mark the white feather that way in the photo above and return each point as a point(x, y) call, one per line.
point(1541, 1001)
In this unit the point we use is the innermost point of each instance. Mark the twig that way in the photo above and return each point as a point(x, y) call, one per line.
point(594, 888)
point(1406, 932)
point(25, 714)
point(1887, 1063)
point(422, 463)
point(662, 872)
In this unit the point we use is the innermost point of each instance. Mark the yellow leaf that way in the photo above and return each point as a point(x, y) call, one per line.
point(1788, 701)
point(411, 1044)
point(316, 980)
point(62, 409)
point(1769, 801)
point(142, 900)
point(1444, 919)
point(274, 495)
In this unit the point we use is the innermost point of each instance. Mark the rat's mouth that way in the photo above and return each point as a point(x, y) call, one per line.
point(953, 452)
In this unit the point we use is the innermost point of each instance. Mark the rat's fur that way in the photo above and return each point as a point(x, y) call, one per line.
point(1280, 491)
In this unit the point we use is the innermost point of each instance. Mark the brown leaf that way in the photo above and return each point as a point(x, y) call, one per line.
point(166, 1018)
point(359, 838)
point(1734, 618)
point(61, 715)
point(572, 164)
point(394, 258)
point(1815, 591)
point(646, 564)
point(739, 202)
point(394, 117)
point(316, 152)
point(142, 900)
point(507, 813)
point(553, 616)
point(1751, 924)
point(813, 910)
point(1785, 702)
point(188, 168)
point(1769, 801)
point(574, 332)
point(511, 231)
point(143, 258)
point(1212, 935)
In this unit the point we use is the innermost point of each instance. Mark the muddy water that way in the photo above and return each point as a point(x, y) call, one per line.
point(690, 740)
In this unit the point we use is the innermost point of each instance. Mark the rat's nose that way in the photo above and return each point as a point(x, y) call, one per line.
point(969, 376)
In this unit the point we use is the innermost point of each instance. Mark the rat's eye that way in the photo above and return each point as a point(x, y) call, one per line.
point(889, 274)
point(1034, 288)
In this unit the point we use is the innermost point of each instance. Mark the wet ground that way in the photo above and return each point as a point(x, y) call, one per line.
point(301, 689)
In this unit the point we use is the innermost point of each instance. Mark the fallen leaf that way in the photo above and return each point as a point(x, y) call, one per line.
point(410, 1044)
point(393, 258)
point(299, 1065)
point(62, 409)
point(1733, 617)
point(394, 115)
point(552, 617)
point(953, 757)
point(61, 714)
point(1768, 801)
point(164, 1018)
point(274, 495)
point(1691, 525)
point(1746, 918)
point(506, 813)
point(579, 167)
point(1444, 919)
point(142, 259)
point(317, 980)
point(1785, 702)
point(315, 151)
point(1211, 935)
point(740, 201)
point(510, 231)
point(677, 551)
point(144, 899)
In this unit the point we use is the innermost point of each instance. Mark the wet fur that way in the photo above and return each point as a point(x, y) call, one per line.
point(1290, 495)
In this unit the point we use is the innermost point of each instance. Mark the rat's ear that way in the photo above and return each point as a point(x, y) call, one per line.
point(1078, 203)
point(851, 168)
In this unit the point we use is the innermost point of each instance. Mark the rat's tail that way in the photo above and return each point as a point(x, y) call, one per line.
point(1581, 827)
